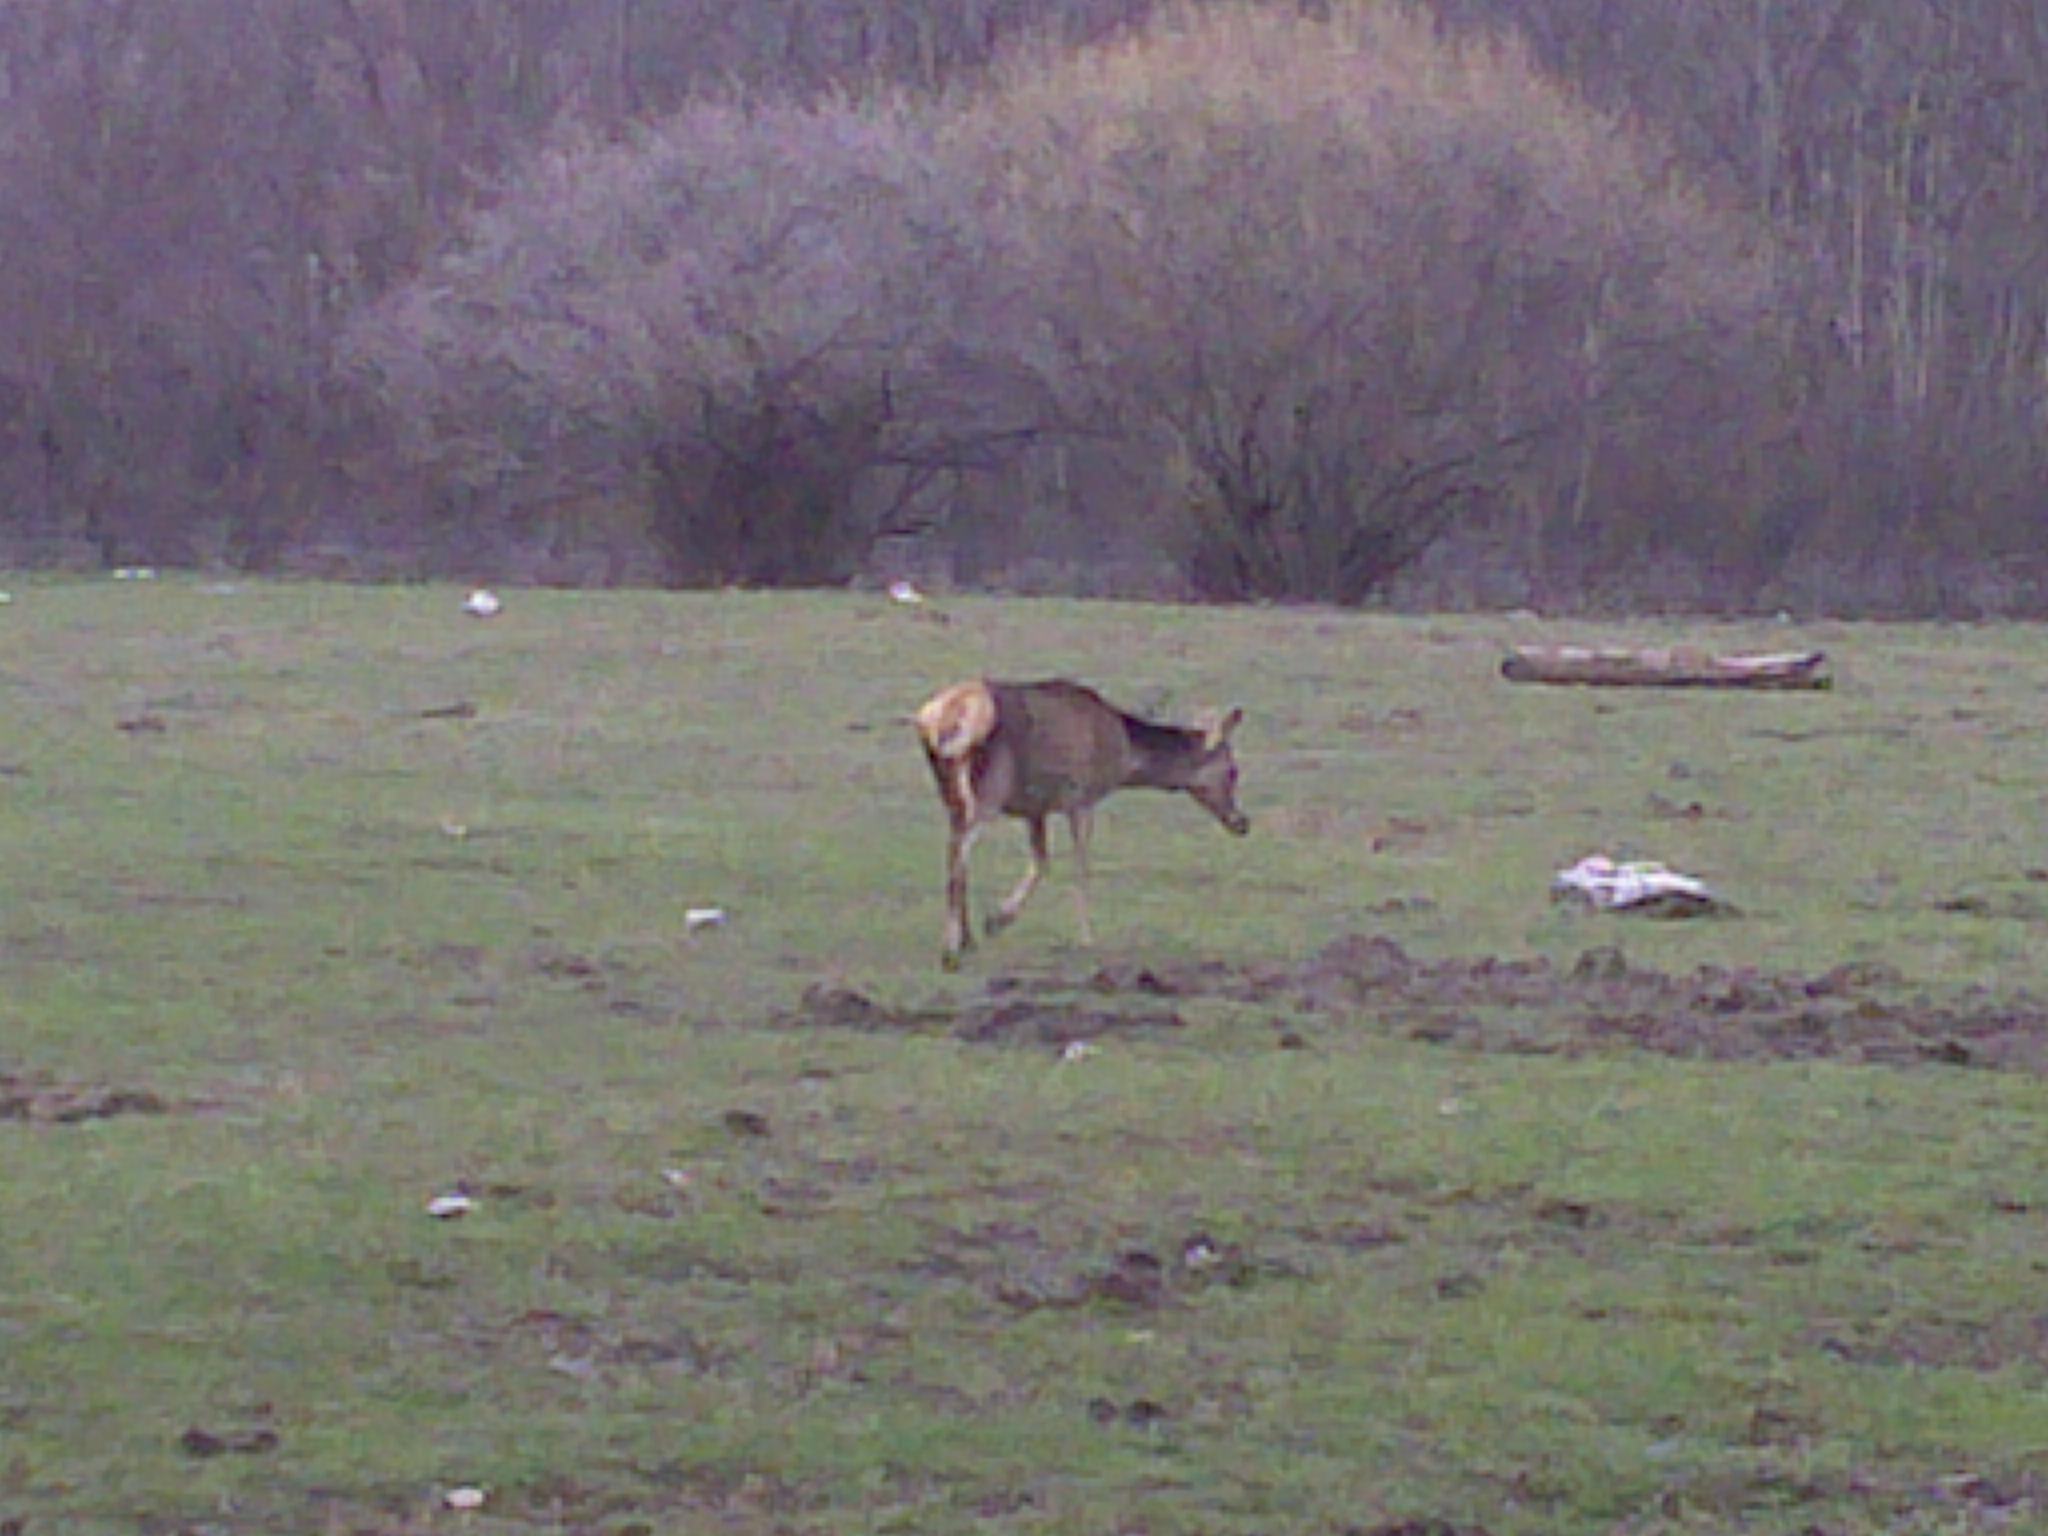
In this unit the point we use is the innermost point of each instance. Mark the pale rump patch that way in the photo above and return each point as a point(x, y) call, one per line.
point(956, 720)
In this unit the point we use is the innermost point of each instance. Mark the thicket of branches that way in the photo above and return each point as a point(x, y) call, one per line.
point(1570, 301)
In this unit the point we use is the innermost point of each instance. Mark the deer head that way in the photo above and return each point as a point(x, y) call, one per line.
point(1212, 782)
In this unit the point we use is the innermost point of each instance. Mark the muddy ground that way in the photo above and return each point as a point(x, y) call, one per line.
point(1860, 1013)
point(45, 1101)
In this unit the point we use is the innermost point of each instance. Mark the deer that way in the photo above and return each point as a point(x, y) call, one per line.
point(1040, 749)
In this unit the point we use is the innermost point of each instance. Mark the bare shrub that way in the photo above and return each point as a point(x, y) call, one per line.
point(739, 324)
point(1351, 283)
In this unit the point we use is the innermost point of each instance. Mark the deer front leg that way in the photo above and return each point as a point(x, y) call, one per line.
point(959, 933)
point(1082, 825)
point(1041, 861)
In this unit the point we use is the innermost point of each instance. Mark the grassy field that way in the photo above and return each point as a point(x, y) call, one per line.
point(1385, 1203)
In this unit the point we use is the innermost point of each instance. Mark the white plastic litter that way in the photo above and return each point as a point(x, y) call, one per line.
point(904, 592)
point(481, 603)
point(463, 1498)
point(697, 918)
point(448, 1207)
point(1601, 883)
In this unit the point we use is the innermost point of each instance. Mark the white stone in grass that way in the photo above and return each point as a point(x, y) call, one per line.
point(905, 593)
point(696, 919)
point(449, 1207)
point(464, 1498)
point(481, 603)
point(1077, 1050)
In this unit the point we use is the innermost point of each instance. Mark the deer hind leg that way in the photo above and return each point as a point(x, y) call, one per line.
point(1041, 861)
point(964, 827)
point(1082, 825)
point(959, 932)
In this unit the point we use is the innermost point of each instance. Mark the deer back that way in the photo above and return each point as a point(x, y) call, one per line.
point(1066, 746)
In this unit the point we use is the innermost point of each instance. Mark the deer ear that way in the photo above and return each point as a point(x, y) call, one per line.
point(1218, 731)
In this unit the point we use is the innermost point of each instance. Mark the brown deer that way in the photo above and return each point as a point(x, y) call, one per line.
point(1032, 750)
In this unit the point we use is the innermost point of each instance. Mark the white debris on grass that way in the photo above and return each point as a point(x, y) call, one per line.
point(448, 1207)
point(464, 1498)
point(1077, 1050)
point(696, 919)
point(135, 573)
point(1642, 886)
point(481, 603)
point(906, 593)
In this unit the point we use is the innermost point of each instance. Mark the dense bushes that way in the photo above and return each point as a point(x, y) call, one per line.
point(1326, 286)
point(1280, 298)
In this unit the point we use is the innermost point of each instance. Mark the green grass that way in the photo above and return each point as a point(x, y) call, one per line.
point(1590, 1290)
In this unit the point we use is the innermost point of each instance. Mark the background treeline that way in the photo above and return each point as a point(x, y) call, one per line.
point(1717, 303)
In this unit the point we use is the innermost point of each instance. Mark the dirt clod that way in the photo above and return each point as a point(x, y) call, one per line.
point(47, 1103)
point(202, 1444)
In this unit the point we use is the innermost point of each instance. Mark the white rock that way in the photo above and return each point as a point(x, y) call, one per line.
point(481, 603)
point(448, 1207)
point(696, 918)
point(904, 592)
point(464, 1498)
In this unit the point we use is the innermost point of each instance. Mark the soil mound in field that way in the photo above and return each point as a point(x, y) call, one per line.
point(1858, 1012)
point(1012, 1012)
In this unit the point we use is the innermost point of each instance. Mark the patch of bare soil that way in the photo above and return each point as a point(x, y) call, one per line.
point(1010, 1013)
point(1865, 1013)
point(1531, 1006)
point(584, 1350)
point(202, 1444)
point(1930, 1343)
point(1024, 1271)
point(42, 1102)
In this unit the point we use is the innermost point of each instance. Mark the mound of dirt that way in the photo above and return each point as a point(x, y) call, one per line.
point(1862, 1012)
point(1010, 1014)
point(1530, 1006)
point(50, 1103)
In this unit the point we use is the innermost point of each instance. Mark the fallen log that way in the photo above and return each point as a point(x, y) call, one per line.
point(1681, 666)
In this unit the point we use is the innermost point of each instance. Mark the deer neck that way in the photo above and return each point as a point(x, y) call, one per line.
point(1160, 756)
